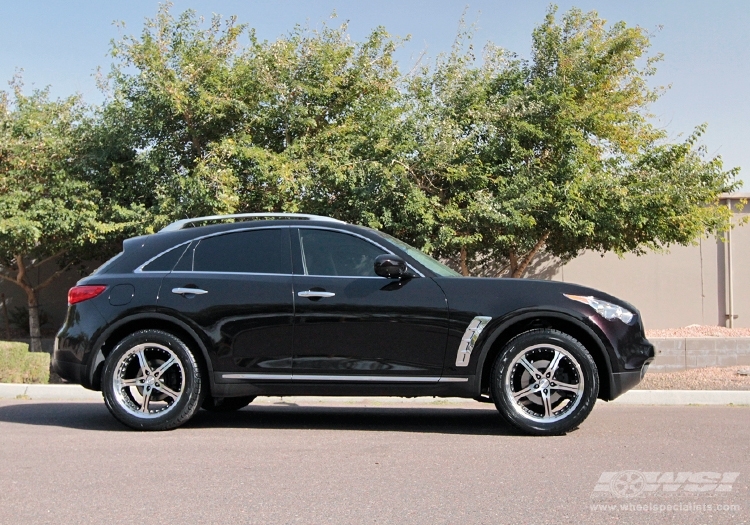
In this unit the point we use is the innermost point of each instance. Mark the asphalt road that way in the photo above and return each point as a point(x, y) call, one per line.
point(70, 462)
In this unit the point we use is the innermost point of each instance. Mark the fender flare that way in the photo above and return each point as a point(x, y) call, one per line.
point(98, 356)
point(517, 317)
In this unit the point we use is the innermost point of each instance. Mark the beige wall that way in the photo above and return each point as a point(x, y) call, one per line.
point(686, 286)
point(670, 290)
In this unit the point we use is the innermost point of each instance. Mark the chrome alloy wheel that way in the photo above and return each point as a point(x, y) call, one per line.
point(545, 383)
point(149, 380)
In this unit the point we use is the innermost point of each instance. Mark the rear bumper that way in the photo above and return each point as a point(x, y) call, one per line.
point(71, 372)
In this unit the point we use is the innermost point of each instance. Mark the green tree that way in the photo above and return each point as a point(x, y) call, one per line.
point(49, 212)
point(557, 154)
point(494, 161)
point(309, 122)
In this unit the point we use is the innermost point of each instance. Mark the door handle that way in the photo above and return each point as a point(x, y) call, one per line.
point(188, 291)
point(315, 293)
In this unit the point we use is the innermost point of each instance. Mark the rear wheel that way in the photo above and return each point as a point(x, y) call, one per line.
point(152, 381)
point(226, 404)
point(545, 382)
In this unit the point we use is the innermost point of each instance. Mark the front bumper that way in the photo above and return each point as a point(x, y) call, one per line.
point(624, 381)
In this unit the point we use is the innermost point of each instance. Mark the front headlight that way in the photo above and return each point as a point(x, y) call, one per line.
point(607, 310)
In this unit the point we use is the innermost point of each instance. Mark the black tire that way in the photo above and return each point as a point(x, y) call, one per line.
point(538, 400)
point(170, 382)
point(226, 404)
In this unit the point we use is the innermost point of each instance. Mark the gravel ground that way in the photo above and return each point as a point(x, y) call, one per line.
point(729, 378)
point(697, 330)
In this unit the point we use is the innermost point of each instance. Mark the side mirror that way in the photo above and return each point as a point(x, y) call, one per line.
point(390, 266)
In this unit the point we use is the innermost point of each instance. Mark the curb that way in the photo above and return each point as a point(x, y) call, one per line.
point(633, 397)
point(684, 397)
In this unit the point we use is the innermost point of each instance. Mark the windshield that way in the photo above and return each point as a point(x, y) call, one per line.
point(422, 258)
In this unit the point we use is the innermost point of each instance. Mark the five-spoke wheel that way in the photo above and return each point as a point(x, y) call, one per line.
point(152, 381)
point(545, 382)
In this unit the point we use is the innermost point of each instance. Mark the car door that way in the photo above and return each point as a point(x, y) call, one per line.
point(236, 289)
point(353, 325)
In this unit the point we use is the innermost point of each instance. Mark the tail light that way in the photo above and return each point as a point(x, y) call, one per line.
point(78, 294)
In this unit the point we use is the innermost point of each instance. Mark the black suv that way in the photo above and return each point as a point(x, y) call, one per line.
point(286, 304)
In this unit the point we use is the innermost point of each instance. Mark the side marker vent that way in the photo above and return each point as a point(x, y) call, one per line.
point(470, 339)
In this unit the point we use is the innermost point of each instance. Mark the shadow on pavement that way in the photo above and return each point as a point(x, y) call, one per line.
point(443, 420)
point(84, 416)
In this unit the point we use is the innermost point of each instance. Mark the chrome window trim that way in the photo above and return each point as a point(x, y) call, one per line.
point(469, 339)
point(337, 230)
point(276, 227)
point(343, 276)
point(215, 234)
point(227, 273)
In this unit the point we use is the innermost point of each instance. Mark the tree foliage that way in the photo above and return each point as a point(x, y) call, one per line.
point(49, 211)
point(309, 122)
point(494, 159)
point(557, 153)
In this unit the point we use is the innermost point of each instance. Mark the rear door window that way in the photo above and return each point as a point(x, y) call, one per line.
point(250, 251)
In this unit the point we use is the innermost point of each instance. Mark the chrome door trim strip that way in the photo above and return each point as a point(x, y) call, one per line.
point(266, 377)
point(350, 378)
point(367, 379)
point(469, 339)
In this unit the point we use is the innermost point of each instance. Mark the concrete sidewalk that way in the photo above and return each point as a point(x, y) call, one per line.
point(633, 397)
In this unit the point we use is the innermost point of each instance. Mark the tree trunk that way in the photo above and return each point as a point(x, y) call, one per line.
point(35, 329)
point(518, 268)
point(464, 264)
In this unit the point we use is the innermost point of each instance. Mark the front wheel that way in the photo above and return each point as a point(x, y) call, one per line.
point(152, 381)
point(545, 382)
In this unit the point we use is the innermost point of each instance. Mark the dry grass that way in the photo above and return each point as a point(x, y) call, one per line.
point(17, 365)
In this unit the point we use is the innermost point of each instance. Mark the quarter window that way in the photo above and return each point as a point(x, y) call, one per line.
point(254, 251)
point(165, 262)
point(326, 252)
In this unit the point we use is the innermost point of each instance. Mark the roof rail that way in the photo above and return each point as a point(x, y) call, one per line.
point(178, 225)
